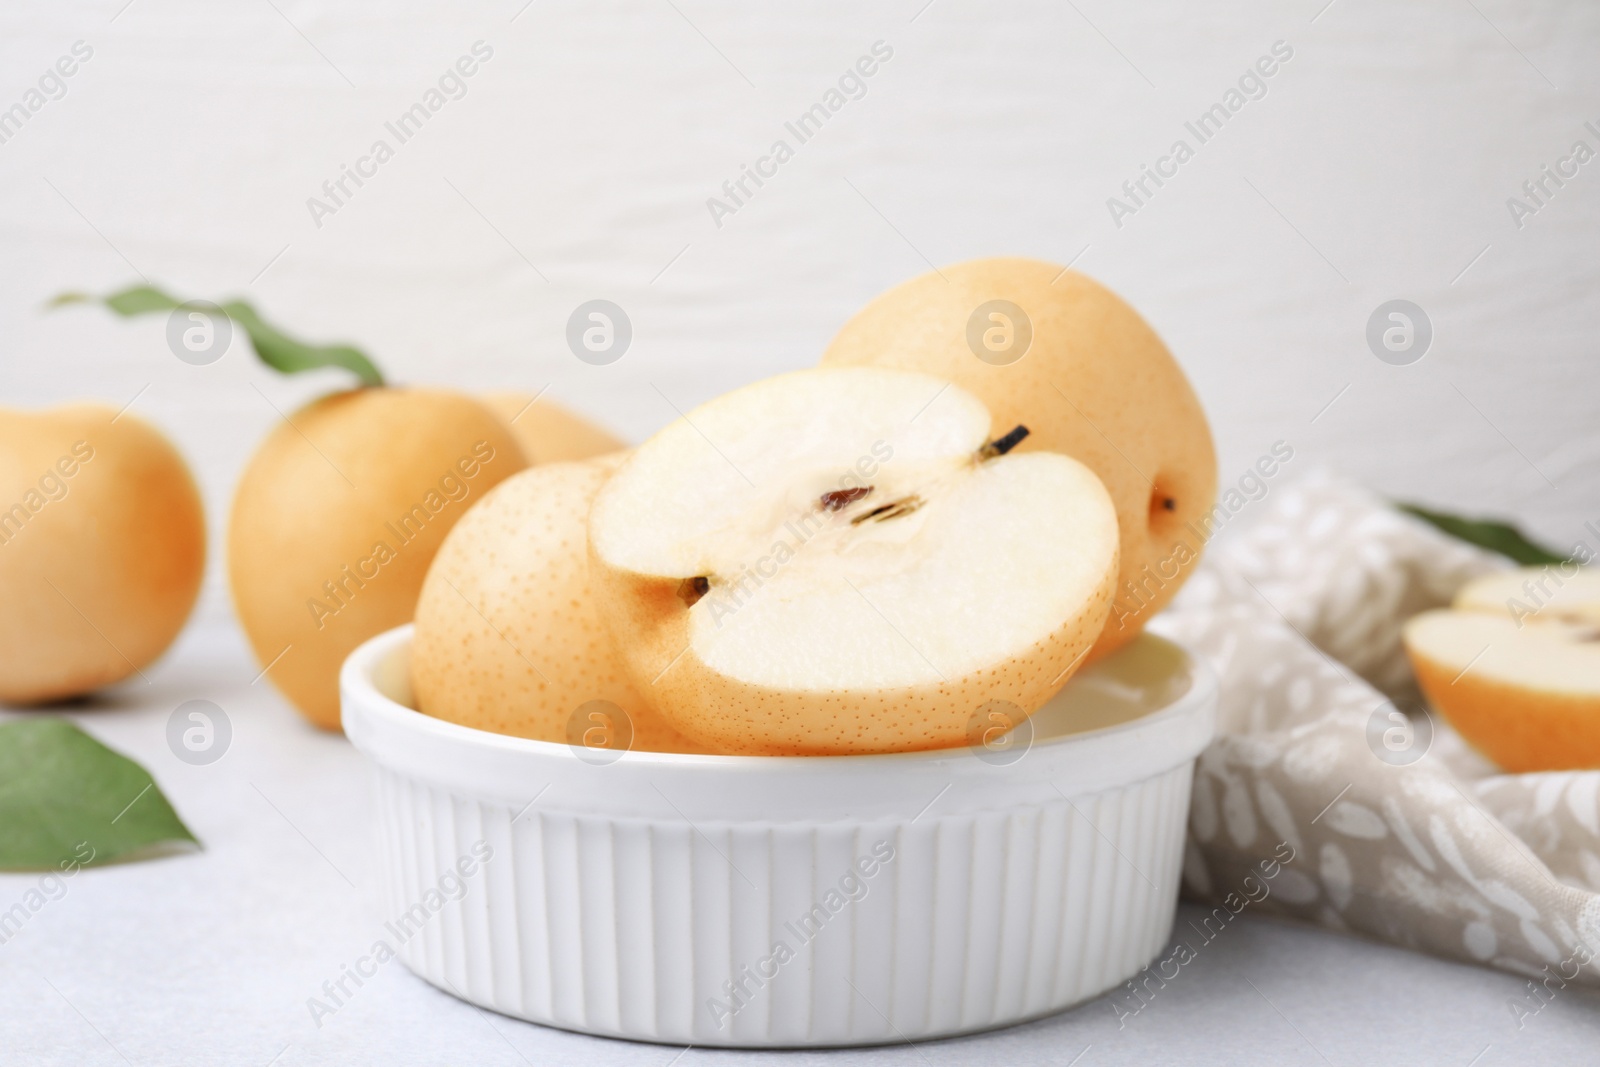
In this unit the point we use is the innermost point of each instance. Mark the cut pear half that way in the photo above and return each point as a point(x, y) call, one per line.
point(1515, 666)
point(848, 560)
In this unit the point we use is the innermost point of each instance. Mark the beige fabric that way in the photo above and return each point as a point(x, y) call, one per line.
point(1298, 607)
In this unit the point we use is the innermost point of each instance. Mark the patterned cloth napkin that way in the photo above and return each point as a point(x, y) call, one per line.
point(1399, 831)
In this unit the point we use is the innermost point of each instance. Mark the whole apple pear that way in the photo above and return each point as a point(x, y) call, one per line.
point(509, 632)
point(1056, 351)
point(338, 516)
point(102, 548)
point(340, 511)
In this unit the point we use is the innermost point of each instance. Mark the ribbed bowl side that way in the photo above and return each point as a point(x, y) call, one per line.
point(754, 934)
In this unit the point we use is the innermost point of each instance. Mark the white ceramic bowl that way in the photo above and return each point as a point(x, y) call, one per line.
point(787, 901)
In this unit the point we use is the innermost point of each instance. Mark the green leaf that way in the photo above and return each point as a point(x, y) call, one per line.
point(272, 346)
point(283, 353)
point(65, 797)
point(1499, 537)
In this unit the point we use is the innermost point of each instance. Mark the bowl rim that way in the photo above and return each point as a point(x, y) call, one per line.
point(373, 705)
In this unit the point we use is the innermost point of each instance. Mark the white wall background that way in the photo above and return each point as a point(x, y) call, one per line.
point(1378, 166)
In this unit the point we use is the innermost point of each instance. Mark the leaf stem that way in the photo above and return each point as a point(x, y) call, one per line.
point(272, 346)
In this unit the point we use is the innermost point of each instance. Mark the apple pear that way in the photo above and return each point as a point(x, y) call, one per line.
point(337, 517)
point(1052, 349)
point(508, 632)
point(848, 560)
point(102, 548)
point(342, 507)
point(1514, 666)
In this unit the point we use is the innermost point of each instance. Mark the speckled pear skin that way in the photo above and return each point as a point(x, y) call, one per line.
point(508, 632)
point(1096, 383)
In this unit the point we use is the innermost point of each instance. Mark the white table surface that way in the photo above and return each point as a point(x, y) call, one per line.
point(1378, 166)
point(210, 957)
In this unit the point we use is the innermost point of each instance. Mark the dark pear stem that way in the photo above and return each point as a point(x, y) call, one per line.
point(1001, 445)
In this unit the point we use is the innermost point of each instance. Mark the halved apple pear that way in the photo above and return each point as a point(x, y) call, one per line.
point(847, 560)
point(1517, 674)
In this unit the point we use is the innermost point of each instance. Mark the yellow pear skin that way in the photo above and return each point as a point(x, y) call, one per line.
point(102, 549)
point(338, 516)
point(1095, 382)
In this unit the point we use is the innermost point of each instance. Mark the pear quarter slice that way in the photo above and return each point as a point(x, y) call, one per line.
point(832, 561)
